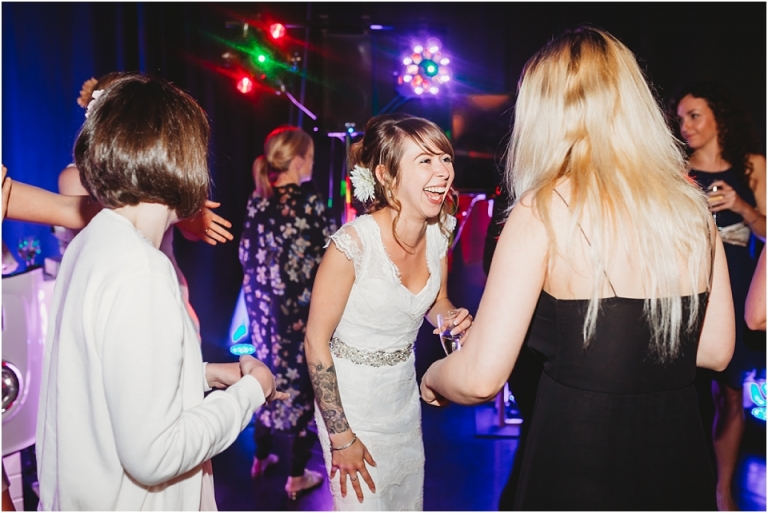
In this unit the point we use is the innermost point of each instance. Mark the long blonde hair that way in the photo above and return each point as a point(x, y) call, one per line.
point(584, 111)
point(280, 147)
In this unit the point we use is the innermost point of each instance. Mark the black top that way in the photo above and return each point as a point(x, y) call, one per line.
point(612, 428)
point(618, 360)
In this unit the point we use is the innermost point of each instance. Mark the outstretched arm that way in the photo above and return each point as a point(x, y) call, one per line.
point(7, 183)
point(206, 226)
point(331, 290)
point(35, 205)
point(477, 372)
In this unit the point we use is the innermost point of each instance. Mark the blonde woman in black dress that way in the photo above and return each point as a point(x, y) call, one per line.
point(611, 259)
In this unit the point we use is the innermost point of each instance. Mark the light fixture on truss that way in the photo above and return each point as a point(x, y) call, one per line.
point(425, 69)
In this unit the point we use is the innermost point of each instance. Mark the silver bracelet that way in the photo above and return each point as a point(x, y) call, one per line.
point(345, 445)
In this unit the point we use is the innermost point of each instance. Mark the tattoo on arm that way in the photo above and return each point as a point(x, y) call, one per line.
point(328, 399)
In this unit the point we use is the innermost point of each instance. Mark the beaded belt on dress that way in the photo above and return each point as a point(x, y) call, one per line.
point(370, 358)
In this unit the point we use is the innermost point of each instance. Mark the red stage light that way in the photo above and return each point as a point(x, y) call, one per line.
point(277, 30)
point(245, 85)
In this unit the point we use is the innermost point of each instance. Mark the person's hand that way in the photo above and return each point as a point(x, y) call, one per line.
point(350, 464)
point(222, 375)
point(7, 183)
point(459, 320)
point(252, 366)
point(428, 395)
point(206, 226)
point(722, 196)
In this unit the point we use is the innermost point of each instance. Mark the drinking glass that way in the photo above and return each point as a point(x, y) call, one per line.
point(711, 189)
point(449, 342)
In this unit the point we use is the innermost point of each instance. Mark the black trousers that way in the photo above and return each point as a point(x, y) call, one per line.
point(301, 446)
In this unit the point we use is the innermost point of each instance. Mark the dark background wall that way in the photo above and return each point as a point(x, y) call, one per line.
point(50, 49)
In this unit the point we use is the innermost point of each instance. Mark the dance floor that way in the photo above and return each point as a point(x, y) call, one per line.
point(466, 469)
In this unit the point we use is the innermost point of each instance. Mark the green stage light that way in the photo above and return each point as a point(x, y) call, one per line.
point(430, 68)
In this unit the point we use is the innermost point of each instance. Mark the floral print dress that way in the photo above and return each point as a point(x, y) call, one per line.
point(280, 250)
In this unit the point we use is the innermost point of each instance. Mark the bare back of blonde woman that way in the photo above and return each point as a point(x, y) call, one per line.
point(606, 265)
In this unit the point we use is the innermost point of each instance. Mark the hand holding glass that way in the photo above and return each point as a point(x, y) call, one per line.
point(449, 342)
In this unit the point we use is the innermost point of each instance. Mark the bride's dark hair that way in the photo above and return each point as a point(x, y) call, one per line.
point(383, 144)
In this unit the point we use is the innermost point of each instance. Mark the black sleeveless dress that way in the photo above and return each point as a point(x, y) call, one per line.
point(612, 428)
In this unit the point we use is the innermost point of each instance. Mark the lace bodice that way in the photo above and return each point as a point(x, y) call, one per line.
point(381, 313)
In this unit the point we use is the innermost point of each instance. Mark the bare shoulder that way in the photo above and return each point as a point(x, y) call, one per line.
point(757, 179)
point(524, 221)
point(758, 166)
point(69, 182)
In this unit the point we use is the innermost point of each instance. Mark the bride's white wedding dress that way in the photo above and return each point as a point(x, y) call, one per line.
point(372, 351)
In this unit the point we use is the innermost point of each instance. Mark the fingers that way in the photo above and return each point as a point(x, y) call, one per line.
point(352, 470)
point(279, 396)
point(356, 485)
point(212, 204)
point(355, 481)
point(430, 397)
point(215, 227)
point(343, 483)
point(462, 321)
point(369, 459)
point(219, 227)
point(213, 237)
point(223, 222)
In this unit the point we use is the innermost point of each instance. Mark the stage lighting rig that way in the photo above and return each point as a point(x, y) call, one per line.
point(425, 69)
point(260, 50)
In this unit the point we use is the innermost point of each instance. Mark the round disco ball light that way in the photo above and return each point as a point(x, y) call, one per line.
point(425, 69)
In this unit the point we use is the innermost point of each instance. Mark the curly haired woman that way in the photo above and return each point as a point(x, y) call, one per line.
point(725, 162)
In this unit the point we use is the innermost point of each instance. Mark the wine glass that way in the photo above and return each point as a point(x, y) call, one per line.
point(713, 188)
point(29, 248)
point(449, 342)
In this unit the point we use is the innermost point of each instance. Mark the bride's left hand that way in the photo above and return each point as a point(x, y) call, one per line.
point(460, 319)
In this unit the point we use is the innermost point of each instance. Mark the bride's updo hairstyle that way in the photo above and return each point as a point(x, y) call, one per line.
point(383, 144)
point(145, 141)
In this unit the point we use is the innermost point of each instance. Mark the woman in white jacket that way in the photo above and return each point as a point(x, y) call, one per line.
point(123, 421)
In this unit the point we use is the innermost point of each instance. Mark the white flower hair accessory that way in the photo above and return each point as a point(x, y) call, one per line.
point(94, 97)
point(363, 182)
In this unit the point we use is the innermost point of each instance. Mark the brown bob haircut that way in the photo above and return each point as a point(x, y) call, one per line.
point(145, 141)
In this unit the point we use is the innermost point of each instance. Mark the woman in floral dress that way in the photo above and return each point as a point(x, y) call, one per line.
point(286, 227)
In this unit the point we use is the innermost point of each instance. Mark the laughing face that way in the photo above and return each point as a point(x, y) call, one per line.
point(425, 179)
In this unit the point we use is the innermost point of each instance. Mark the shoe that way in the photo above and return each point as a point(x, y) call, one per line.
point(261, 466)
point(296, 485)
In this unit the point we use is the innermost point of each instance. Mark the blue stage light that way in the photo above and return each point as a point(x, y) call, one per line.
point(241, 349)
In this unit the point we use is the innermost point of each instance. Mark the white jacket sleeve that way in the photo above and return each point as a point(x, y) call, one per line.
point(162, 428)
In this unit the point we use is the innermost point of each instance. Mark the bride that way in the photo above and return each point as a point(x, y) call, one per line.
point(385, 272)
